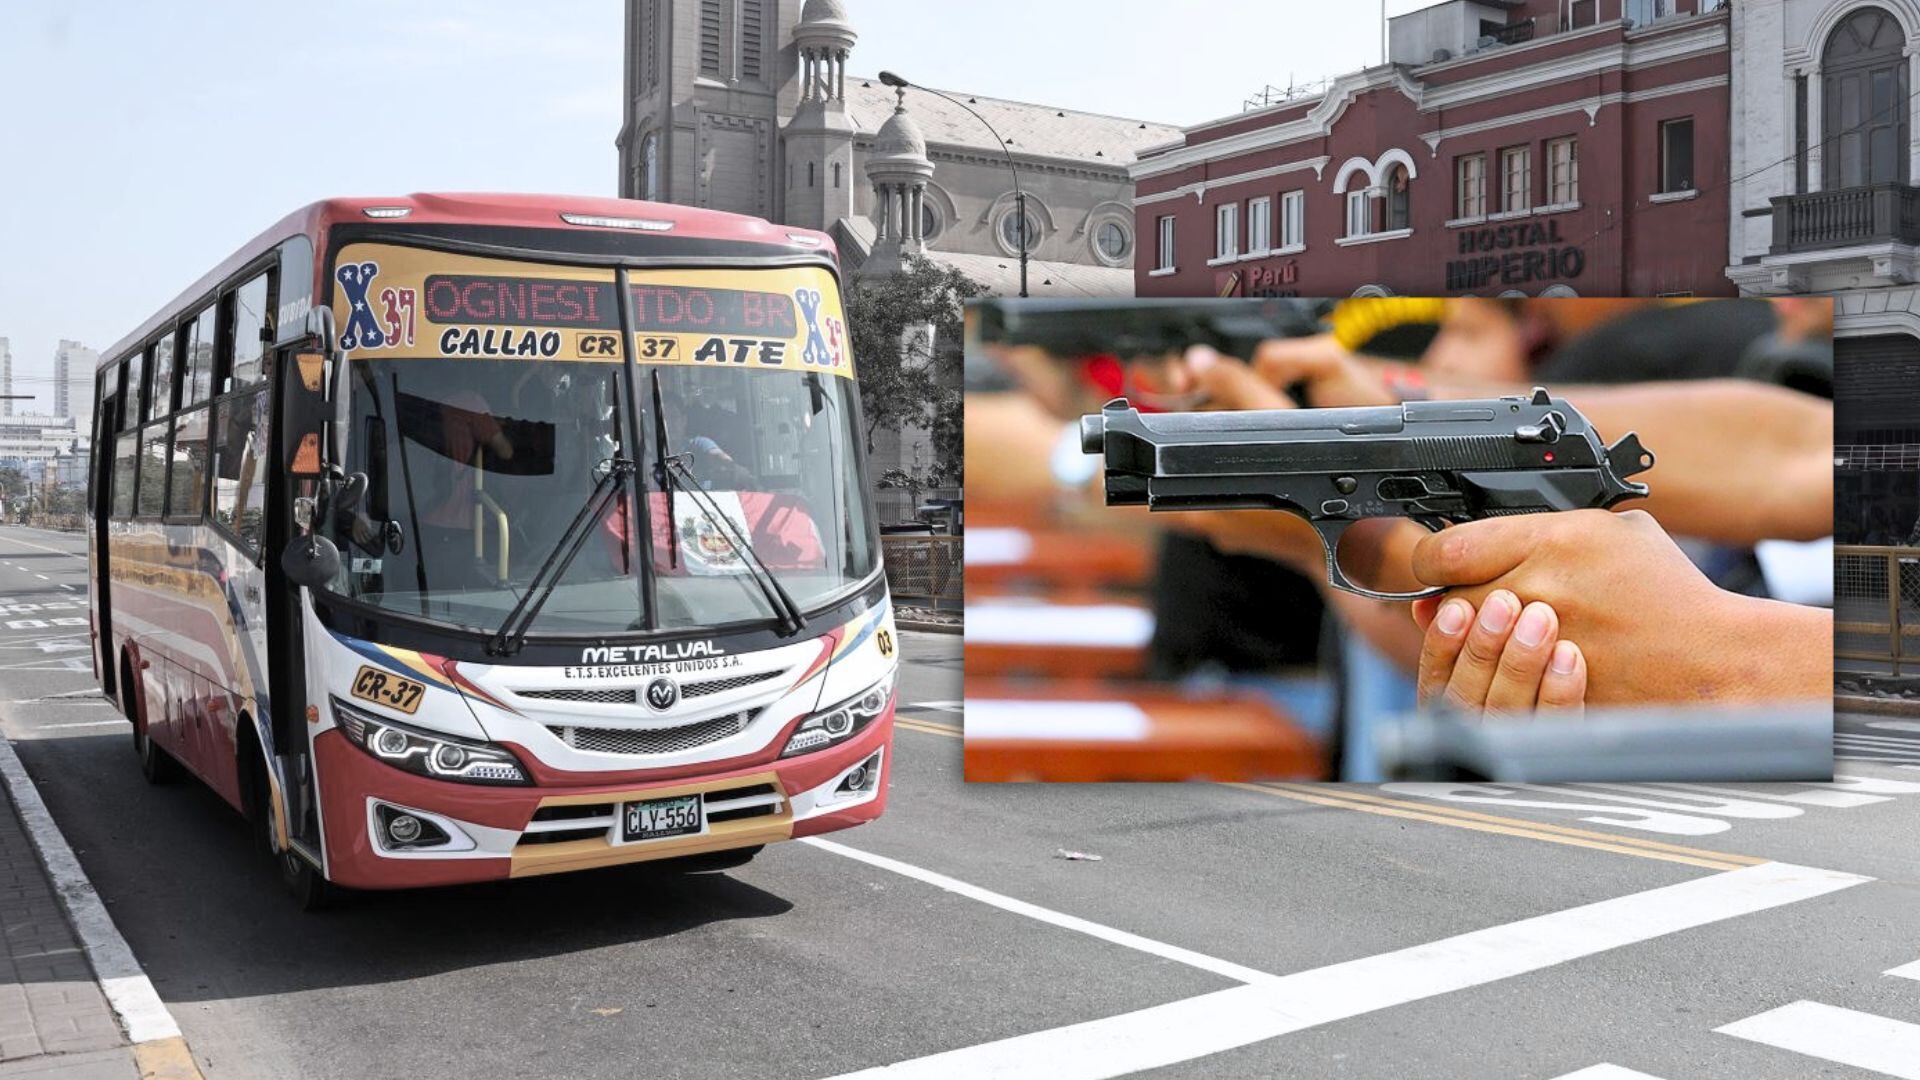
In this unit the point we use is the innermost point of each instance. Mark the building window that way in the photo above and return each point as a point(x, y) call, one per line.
point(836, 174)
point(1582, 14)
point(929, 220)
point(1399, 191)
point(1293, 219)
point(1799, 134)
point(809, 174)
point(650, 167)
point(1111, 241)
point(1359, 213)
point(1676, 155)
point(1163, 243)
point(1259, 225)
point(710, 37)
point(1470, 186)
point(1863, 90)
point(1226, 230)
point(1643, 12)
point(1516, 179)
point(750, 39)
point(1563, 171)
point(1010, 232)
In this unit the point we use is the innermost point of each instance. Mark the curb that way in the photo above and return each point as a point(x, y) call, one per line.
point(1864, 703)
point(927, 627)
point(159, 1049)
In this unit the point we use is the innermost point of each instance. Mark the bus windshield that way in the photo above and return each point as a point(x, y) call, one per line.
point(488, 398)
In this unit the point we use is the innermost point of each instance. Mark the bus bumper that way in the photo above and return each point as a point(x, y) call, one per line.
point(496, 832)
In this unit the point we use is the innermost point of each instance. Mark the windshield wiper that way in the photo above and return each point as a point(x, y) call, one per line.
point(513, 629)
point(672, 472)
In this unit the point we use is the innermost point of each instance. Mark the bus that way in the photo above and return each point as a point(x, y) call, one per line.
point(465, 537)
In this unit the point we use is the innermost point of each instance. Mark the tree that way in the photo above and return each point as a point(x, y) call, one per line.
point(905, 378)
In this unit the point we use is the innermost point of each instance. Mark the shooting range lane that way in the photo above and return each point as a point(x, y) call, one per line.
point(982, 932)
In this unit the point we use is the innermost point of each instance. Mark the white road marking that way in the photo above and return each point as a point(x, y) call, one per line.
point(1894, 725)
point(942, 706)
point(116, 722)
point(1088, 721)
point(1607, 1072)
point(1906, 971)
point(28, 543)
point(1862, 1040)
point(1212, 1023)
point(142, 1014)
point(1046, 915)
point(43, 577)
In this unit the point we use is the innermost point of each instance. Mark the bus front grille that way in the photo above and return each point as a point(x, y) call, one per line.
point(720, 686)
point(653, 740)
point(626, 696)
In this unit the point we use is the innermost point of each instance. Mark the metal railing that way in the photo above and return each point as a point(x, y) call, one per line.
point(1877, 457)
point(1876, 608)
point(924, 570)
point(1843, 216)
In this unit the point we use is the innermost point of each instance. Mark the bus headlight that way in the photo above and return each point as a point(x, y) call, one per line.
point(839, 723)
point(441, 757)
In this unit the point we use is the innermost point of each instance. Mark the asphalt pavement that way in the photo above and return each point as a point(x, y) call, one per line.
point(1745, 932)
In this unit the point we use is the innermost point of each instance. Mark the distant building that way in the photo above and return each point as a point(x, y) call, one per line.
point(6, 377)
point(749, 106)
point(1507, 147)
point(73, 367)
point(1825, 167)
point(27, 439)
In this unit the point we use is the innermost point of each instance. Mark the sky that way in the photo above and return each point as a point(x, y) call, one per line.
point(141, 143)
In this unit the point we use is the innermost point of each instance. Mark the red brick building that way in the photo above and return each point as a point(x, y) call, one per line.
point(1509, 146)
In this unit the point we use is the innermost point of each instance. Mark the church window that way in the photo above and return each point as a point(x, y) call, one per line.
point(710, 37)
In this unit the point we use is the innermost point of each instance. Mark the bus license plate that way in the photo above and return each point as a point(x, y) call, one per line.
point(652, 819)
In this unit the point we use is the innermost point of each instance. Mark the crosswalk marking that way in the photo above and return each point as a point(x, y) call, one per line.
point(1607, 1072)
point(1213, 1023)
point(1830, 1033)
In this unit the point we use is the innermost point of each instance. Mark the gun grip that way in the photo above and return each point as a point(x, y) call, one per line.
point(1332, 529)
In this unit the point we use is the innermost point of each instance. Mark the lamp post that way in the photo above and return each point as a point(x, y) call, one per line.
point(1019, 195)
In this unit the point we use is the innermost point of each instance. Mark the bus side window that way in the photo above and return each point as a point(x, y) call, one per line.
point(130, 412)
point(153, 471)
point(125, 454)
point(243, 366)
point(240, 432)
point(187, 474)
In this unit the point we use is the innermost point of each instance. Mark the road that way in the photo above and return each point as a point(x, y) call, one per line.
point(1226, 931)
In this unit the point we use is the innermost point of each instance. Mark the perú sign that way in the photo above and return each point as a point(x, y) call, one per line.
point(1514, 255)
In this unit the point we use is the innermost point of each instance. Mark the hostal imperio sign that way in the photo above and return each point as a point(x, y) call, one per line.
point(1513, 255)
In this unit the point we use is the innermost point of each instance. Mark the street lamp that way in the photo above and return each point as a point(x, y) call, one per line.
point(1019, 195)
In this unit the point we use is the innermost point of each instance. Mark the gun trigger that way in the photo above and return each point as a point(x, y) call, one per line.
point(1330, 532)
point(1628, 457)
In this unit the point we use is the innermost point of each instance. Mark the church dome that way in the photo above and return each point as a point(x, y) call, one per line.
point(816, 11)
point(900, 137)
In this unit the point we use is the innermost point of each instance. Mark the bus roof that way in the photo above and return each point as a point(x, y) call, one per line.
point(507, 210)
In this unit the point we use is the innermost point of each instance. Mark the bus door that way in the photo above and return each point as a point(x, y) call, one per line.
point(286, 674)
point(100, 482)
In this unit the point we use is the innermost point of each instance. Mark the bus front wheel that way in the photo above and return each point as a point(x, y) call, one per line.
point(304, 882)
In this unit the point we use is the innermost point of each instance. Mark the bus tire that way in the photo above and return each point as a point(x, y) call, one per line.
point(310, 890)
point(156, 765)
point(708, 862)
point(303, 881)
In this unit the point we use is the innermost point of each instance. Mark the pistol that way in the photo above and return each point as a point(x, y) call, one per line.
point(1437, 462)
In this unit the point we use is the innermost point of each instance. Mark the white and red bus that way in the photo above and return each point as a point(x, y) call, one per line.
point(462, 537)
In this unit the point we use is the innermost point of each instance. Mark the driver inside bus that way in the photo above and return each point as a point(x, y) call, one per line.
point(691, 424)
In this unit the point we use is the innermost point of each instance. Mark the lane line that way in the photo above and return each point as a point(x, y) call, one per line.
point(143, 1016)
point(1212, 1023)
point(937, 706)
point(1844, 1036)
point(77, 724)
point(1519, 827)
point(1607, 1072)
point(28, 543)
point(927, 727)
point(1906, 971)
point(1225, 968)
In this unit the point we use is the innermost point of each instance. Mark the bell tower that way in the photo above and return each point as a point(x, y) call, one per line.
point(818, 141)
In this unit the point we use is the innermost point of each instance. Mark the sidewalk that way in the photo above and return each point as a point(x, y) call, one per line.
point(56, 1022)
